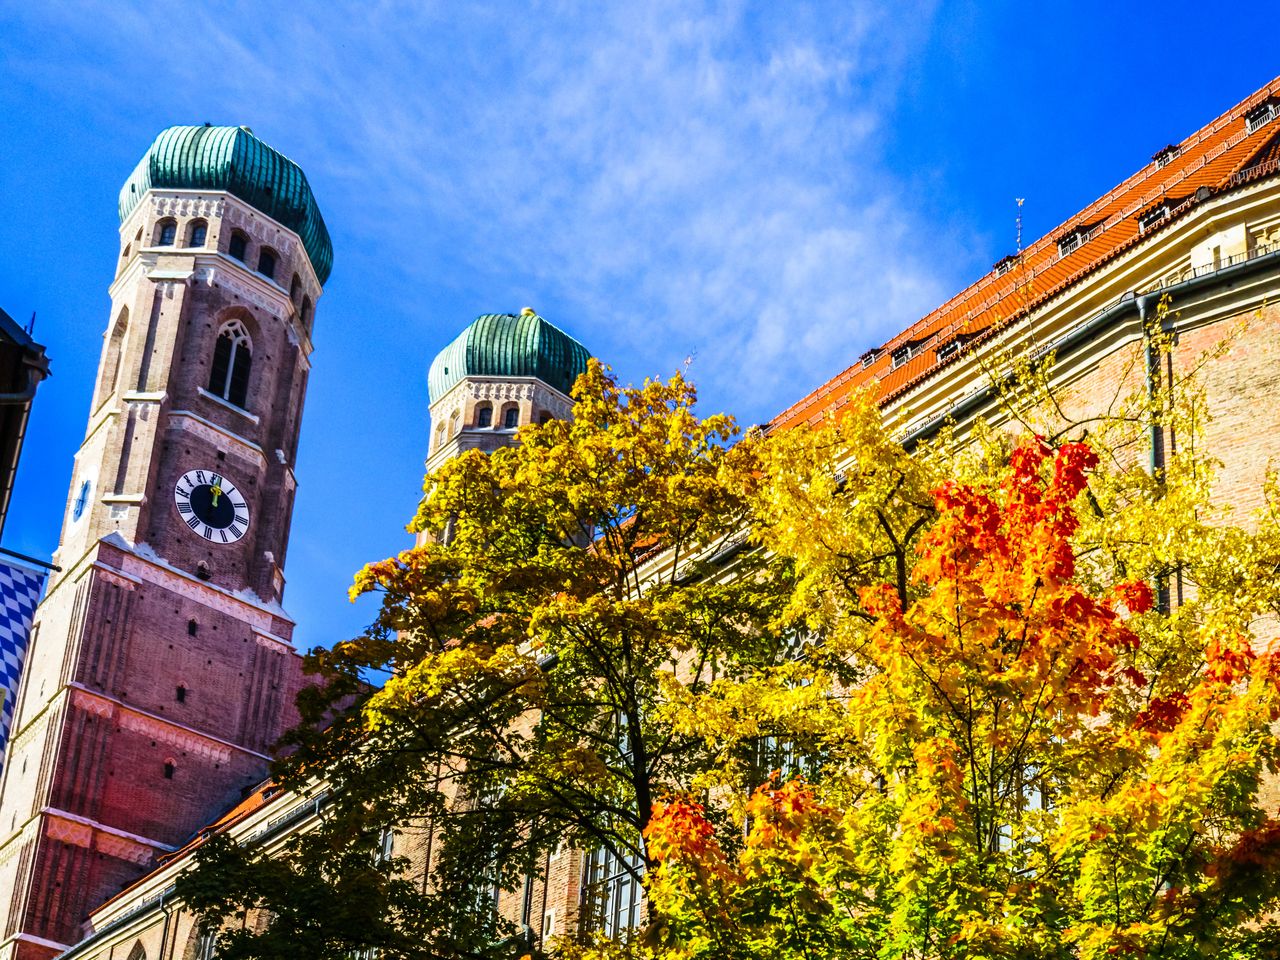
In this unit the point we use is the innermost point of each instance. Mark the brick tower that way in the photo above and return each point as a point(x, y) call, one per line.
point(161, 669)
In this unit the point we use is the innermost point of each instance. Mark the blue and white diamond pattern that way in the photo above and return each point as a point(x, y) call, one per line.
point(19, 593)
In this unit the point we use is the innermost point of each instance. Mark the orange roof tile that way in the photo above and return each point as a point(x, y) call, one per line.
point(1218, 157)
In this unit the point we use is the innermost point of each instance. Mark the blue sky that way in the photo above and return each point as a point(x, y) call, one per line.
point(768, 188)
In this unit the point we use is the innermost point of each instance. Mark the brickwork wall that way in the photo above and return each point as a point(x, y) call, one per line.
point(162, 672)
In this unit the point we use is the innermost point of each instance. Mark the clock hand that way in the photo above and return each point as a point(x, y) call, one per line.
point(217, 492)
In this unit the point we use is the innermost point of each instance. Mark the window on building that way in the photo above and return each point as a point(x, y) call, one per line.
point(1152, 218)
point(1005, 264)
point(238, 246)
point(948, 350)
point(386, 845)
point(166, 233)
point(511, 417)
point(197, 233)
point(612, 892)
point(1261, 115)
point(207, 945)
point(114, 357)
point(295, 289)
point(170, 767)
point(870, 357)
point(180, 694)
point(903, 354)
point(232, 355)
point(192, 628)
point(305, 312)
point(1164, 155)
point(484, 415)
point(545, 416)
point(1071, 241)
point(267, 263)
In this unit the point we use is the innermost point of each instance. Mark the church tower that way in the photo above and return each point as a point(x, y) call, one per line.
point(161, 669)
point(503, 371)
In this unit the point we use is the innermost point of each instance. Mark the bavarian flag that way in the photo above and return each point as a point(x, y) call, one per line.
point(20, 589)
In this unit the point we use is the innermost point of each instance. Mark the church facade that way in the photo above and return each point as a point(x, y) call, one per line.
point(1199, 225)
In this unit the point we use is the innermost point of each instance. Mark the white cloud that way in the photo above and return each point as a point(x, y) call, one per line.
point(670, 176)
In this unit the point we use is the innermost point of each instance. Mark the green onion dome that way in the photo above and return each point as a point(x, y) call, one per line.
point(234, 160)
point(509, 345)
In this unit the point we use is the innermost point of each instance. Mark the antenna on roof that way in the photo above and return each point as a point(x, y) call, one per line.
point(1019, 221)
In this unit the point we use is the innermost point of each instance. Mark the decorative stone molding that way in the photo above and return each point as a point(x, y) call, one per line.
point(271, 642)
point(257, 617)
point(213, 433)
point(192, 743)
point(115, 577)
point(122, 848)
point(68, 831)
point(500, 389)
point(98, 706)
point(182, 206)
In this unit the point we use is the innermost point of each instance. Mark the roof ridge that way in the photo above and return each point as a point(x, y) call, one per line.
point(998, 286)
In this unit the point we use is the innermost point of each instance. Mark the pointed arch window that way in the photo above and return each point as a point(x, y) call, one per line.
point(232, 355)
point(166, 233)
point(484, 415)
point(197, 233)
point(238, 246)
point(511, 417)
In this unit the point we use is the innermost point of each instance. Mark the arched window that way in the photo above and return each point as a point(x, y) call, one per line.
point(295, 289)
point(545, 417)
point(166, 232)
point(232, 354)
point(511, 417)
point(170, 768)
point(138, 953)
point(180, 694)
point(305, 313)
point(112, 357)
point(484, 415)
point(197, 233)
point(238, 247)
point(267, 263)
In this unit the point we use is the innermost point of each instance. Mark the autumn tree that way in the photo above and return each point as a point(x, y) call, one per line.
point(524, 649)
point(1040, 710)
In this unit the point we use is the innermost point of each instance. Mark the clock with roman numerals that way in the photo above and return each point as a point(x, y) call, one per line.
point(212, 506)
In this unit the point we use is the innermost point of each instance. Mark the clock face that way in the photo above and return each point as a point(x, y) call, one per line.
point(212, 506)
point(81, 501)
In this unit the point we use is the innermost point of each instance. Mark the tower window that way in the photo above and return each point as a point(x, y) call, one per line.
point(239, 245)
point(511, 417)
point(192, 627)
point(169, 769)
point(484, 415)
point(232, 355)
point(306, 312)
point(166, 233)
point(267, 263)
point(295, 288)
point(197, 233)
point(180, 694)
point(545, 417)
